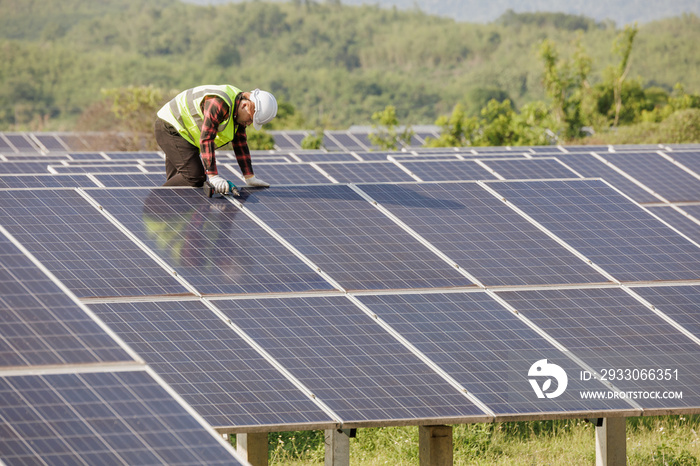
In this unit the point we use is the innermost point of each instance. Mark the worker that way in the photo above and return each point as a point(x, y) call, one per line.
point(199, 120)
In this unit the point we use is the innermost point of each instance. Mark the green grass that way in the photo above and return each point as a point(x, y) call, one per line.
point(668, 440)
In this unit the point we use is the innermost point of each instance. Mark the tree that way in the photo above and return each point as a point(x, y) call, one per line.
point(622, 47)
point(387, 135)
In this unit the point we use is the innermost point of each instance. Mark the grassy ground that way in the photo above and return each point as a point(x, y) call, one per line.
point(670, 440)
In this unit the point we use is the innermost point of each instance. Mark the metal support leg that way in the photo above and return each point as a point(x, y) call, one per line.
point(435, 445)
point(253, 447)
point(611, 442)
point(337, 447)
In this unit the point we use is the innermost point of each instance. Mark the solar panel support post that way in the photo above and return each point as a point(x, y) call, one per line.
point(337, 447)
point(253, 448)
point(435, 445)
point(611, 442)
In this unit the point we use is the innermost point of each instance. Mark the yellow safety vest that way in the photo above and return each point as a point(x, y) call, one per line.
point(184, 112)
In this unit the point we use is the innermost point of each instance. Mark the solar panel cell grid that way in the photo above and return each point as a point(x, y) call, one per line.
point(209, 242)
point(447, 170)
point(100, 418)
point(484, 236)
point(350, 239)
point(347, 360)
point(285, 173)
point(613, 232)
point(80, 246)
point(44, 181)
point(679, 220)
point(533, 169)
point(609, 329)
point(365, 172)
point(211, 367)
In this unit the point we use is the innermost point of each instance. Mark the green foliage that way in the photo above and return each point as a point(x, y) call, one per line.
point(260, 140)
point(541, 19)
point(313, 141)
point(386, 134)
point(135, 106)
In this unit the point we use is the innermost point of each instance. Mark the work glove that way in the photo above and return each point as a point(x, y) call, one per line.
point(256, 182)
point(221, 185)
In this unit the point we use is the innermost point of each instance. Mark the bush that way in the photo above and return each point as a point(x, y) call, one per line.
point(682, 127)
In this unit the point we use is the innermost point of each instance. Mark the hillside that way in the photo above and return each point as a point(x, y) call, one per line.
point(336, 64)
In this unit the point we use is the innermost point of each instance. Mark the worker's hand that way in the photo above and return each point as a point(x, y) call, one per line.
point(256, 182)
point(219, 183)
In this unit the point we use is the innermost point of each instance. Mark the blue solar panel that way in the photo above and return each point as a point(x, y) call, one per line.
point(22, 143)
point(50, 142)
point(100, 418)
point(45, 181)
point(130, 180)
point(87, 156)
point(153, 156)
point(447, 170)
point(80, 246)
point(662, 176)
point(26, 167)
point(73, 142)
point(533, 169)
point(88, 167)
point(549, 150)
point(285, 173)
point(613, 232)
point(610, 330)
point(484, 236)
point(224, 379)
point(681, 303)
point(350, 239)
point(319, 156)
point(41, 325)
point(679, 220)
point(347, 360)
point(599, 149)
point(209, 242)
point(485, 347)
point(365, 172)
point(591, 167)
point(347, 141)
point(689, 159)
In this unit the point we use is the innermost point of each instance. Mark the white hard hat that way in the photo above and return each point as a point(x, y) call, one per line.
point(265, 107)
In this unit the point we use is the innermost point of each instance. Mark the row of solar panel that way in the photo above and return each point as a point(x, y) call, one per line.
point(290, 140)
point(466, 361)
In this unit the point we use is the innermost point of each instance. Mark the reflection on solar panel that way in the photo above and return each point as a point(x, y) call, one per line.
point(484, 347)
point(347, 360)
point(662, 176)
point(80, 246)
point(210, 243)
point(41, 325)
point(609, 329)
point(483, 235)
point(365, 172)
point(100, 418)
point(530, 169)
point(44, 181)
point(681, 303)
point(211, 367)
point(447, 170)
point(349, 239)
point(591, 167)
point(285, 173)
point(614, 233)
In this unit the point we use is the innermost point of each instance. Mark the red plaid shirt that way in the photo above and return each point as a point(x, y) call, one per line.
point(216, 112)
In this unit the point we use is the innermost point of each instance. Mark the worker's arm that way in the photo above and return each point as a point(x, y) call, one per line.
point(240, 148)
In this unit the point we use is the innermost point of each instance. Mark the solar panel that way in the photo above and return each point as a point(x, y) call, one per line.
point(100, 418)
point(25, 167)
point(550, 150)
point(346, 237)
point(73, 141)
point(591, 167)
point(222, 377)
point(97, 168)
point(614, 233)
point(153, 156)
point(530, 169)
point(41, 325)
point(21, 143)
point(44, 181)
point(5, 145)
point(283, 142)
point(447, 170)
point(486, 348)
point(209, 242)
point(318, 156)
point(347, 360)
point(284, 173)
point(689, 159)
point(483, 235)
point(346, 140)
point(87, 156)
point(330, 143)
point(376, 156)
point(130, 180)
point(681, 303)
point(679, 220)
point(50, 142)
point(599, 149)
point(92, 257)
point(612, 331)
point(659, 174)
point(365, 172)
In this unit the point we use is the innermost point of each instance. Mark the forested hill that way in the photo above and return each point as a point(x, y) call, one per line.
point(336, 64)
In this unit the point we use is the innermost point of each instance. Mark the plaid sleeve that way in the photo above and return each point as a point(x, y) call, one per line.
point(215, 112)
point(240, 148)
